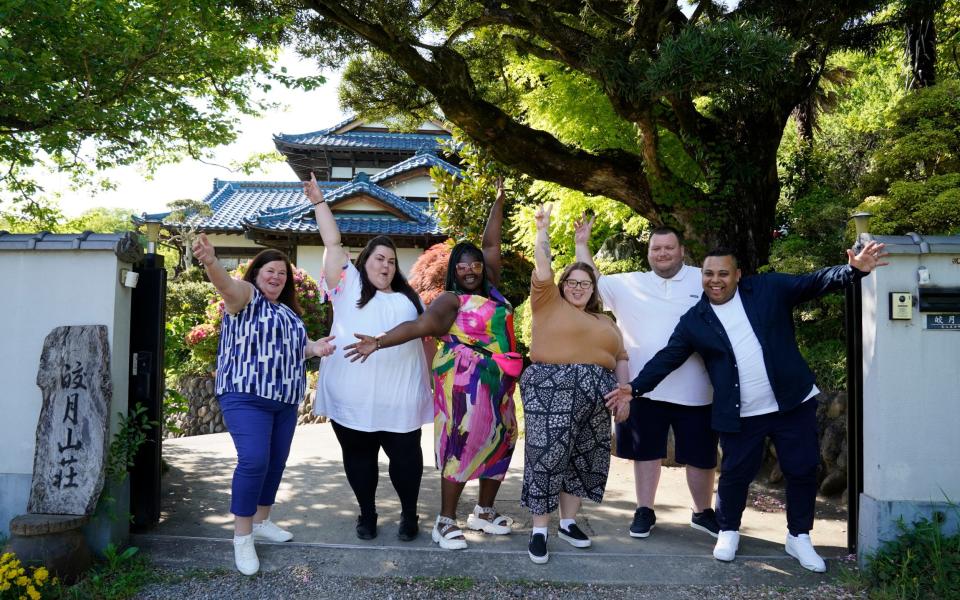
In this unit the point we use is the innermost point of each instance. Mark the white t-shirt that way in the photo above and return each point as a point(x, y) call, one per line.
point(756, 393)
point(648, 308)
point(388, 392)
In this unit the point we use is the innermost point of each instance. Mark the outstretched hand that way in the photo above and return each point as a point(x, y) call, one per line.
point(869, 258)
point(203, 250)
point(321, 347)
point(312, 190)
point(499, 184)
point(361, 350)
point(583, 227)
point(542, 216)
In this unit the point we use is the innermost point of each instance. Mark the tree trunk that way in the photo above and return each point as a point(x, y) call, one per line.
point(921, 42)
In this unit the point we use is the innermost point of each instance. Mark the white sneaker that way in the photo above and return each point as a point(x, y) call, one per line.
point(727, 544)
point(245, 555)
point(268, 531)
point(497, 525)
point(801, 548)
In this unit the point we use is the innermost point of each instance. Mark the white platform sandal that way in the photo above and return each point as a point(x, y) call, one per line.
point(448, 540)
point(498, 525)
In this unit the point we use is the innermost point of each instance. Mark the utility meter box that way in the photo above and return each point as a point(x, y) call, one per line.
point(911, 388)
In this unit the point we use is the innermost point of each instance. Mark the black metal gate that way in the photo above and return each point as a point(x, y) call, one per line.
point(854, 330)
point(147, 320)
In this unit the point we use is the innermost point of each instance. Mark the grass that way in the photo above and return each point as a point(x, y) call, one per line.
point(921, 563)
point(454, 583)
point(121, 574)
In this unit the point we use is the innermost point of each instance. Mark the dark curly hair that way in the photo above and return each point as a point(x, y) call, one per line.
point(459, 251)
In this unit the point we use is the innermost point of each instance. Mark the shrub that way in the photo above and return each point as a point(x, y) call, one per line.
point(921, 563)
point(428, 274)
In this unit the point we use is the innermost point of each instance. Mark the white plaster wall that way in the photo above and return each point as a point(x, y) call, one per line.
point(310, 258)
point(911, 390)
point(236, 241)
point(420, 187)
point(44, 290)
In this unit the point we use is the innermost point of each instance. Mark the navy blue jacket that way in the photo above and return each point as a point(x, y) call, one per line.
point(768, 300)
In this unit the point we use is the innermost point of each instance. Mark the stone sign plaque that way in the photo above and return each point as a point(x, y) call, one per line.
point(72, 434)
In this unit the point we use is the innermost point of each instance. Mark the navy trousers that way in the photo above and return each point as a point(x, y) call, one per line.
point(794, 436)
point(262, 431)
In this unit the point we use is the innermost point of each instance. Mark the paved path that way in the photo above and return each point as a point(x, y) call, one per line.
point(317, 505)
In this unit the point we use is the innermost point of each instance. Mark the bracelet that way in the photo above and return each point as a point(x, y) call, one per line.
point(378, 338)
point(322, 201)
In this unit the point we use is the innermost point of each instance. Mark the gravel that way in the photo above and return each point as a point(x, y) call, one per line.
point(301, 581)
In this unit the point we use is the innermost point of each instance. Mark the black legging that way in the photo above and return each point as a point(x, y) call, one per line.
point(360, 462)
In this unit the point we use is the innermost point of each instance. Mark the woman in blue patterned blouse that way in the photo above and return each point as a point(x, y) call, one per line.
point(261, 378)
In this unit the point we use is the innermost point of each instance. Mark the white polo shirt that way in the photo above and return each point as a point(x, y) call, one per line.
point(648, 308)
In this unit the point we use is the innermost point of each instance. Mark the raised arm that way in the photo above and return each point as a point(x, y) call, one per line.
point(582, 228)
point(236, 293)
point(493, 235)
point(541, 251)
point(334, 256)
point(434, 322)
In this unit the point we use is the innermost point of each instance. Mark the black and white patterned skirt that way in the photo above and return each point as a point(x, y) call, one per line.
point(567, 433)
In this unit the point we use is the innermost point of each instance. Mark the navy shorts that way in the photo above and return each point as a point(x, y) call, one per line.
point(644, 435)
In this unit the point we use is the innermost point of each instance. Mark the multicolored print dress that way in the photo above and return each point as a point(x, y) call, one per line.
point(474, 419)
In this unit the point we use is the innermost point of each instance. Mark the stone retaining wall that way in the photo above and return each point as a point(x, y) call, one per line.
point(203, 414)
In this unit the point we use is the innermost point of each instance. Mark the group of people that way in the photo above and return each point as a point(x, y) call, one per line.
point(714, 358)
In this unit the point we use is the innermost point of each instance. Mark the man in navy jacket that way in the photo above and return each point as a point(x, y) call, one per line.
point(762, 387)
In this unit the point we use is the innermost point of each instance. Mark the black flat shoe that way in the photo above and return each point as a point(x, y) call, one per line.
point(409, 528)
point(367, 526)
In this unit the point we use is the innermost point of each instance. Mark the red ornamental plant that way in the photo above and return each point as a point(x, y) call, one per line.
point(428, 274)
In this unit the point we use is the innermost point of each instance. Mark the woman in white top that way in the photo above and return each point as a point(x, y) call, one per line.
point(383, 407)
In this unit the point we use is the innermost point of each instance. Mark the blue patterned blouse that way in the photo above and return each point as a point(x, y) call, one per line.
point(261, 352)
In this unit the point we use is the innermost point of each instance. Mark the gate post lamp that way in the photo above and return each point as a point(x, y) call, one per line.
point(153, 232)
point(861, 222)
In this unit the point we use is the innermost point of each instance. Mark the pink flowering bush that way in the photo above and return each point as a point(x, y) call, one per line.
point(202, 340)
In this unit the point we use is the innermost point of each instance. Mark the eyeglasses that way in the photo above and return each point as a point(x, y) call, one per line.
point(476, 267)
point(586, 284)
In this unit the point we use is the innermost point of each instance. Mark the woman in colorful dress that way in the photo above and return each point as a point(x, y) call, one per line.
point(383, 407)
point(474, 374)
point(577, 354)
point(261, 379)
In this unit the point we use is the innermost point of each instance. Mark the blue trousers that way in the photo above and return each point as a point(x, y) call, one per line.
point(794, 435)
point(262, 431)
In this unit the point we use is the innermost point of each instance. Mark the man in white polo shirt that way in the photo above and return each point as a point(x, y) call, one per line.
point(648, 306)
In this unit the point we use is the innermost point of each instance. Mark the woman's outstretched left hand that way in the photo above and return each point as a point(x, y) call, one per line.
point(361, 350)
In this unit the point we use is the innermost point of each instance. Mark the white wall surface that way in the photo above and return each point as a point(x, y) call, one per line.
point(236, 241)
point(911, 390)
point(419, 187)
point(44, 290)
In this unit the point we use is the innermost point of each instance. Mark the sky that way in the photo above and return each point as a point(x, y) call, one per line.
point(301, 112)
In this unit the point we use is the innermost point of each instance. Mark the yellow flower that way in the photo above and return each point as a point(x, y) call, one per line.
point(33, 593)
point(23, 581)
point(41, 574)
point(4, 586)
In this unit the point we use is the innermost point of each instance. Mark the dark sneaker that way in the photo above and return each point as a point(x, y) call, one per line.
point(643, 521)
point(537, 548)
point(409, 528)
point(574, 536)
point(706, 521)
point(367, 526)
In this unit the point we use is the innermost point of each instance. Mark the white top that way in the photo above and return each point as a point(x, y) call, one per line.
point(648, 308)
point(391, 390)
point(756, 393)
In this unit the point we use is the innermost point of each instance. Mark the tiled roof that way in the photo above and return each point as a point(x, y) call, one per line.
point(367, 140)
point(232, 202)
point(282, 207)
point(125, 245)
point(299, 217)
point(421, 159)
